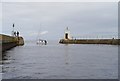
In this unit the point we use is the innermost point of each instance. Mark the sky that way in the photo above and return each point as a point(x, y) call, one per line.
point(59, 0)
point(48, 20)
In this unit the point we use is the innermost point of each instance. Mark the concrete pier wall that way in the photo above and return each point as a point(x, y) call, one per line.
point(91, 41)
point(7, 46)
point(7, 39)
point(8, 42)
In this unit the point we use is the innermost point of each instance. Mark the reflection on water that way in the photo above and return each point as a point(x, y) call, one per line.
point(59, 61)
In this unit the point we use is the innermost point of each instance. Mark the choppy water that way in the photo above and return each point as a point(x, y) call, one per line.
point(58, 61)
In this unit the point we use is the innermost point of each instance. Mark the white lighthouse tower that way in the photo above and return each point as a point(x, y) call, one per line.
point(67, 34)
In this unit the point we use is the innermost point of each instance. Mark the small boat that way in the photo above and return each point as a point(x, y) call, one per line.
point(43, 42)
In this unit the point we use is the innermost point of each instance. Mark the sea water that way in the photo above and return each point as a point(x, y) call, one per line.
point(61, 61)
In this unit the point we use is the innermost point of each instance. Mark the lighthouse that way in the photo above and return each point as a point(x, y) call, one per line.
point(67, 34)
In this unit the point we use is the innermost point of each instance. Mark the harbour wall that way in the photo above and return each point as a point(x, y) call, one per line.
point(90, 41)
point(8, 42)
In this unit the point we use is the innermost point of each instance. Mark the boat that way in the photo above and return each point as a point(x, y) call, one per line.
point(42, 42)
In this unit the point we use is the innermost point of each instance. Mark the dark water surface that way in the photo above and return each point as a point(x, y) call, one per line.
point(58, 61)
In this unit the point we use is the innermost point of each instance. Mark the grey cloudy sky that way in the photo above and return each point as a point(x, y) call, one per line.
point(51, 19)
